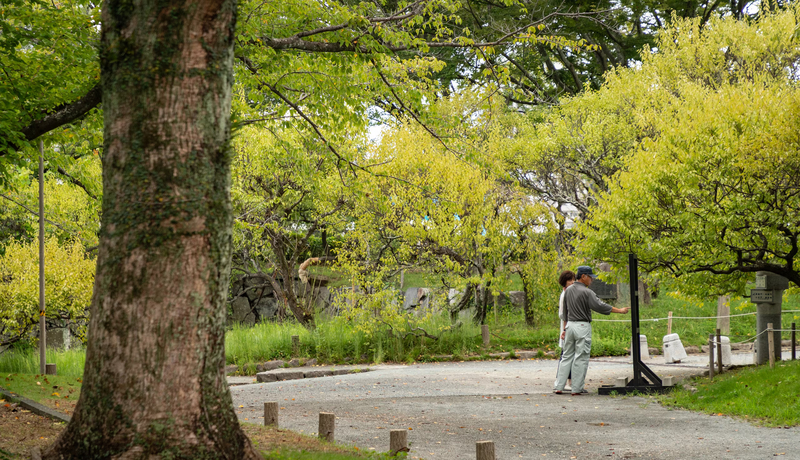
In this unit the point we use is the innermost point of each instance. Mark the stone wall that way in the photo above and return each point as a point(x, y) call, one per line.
point(254, 300)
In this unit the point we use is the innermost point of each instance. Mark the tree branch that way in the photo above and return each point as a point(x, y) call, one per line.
point(64, 114)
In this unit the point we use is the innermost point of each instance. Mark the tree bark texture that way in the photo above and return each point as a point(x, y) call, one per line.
point(154, 385)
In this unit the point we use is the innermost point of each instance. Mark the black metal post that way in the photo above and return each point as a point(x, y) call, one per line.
point(633, 268)
point(650, 382)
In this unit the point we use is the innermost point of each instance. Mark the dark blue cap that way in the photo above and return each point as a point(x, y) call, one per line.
point(585, 270)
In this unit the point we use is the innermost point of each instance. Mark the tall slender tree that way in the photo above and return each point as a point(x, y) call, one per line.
point(153, 383)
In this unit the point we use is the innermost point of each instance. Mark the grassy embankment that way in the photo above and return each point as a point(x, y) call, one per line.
point(336, 341)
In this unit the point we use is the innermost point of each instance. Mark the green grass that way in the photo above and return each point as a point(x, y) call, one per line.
point(336, 341)
point(42, 388)
point(25, 360)
point(758, 394)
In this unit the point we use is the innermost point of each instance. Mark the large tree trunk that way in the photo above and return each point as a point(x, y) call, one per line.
point(154, 385)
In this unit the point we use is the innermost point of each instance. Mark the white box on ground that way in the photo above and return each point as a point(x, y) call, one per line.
point(673, 349)
point(644, 352)
point(726, 351)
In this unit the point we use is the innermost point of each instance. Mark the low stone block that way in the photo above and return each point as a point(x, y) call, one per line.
point(231, 369)
point(311, 362)
point(644, 351)
point(313, 374)
point(266, 377)
point(293, 363)
point(726, 351)
point(270, 365)
point(668, 381)
point(673, 349)
point(289, 375)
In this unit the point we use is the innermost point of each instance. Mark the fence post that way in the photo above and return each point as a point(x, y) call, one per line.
point(719, 351)
point(485, 450)
point(669, 323)
point(327, 422)
point(271, 413)
point(723, 314)
point(398, 441)
point(711, 356)
point(771, 347)
point(295, 346)
point(485, 335)
point(793, 340)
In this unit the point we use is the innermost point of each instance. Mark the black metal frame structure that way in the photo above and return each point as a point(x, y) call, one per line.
point(644, 379)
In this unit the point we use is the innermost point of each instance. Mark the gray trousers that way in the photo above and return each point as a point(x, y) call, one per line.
point(577, 347)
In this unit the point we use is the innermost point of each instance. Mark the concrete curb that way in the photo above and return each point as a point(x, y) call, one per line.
point(34, 406)
point(280, 375)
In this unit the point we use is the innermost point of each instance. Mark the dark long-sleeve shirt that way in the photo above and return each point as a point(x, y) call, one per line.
point(579, 301)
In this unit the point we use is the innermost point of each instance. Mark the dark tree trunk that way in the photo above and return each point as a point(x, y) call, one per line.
point(530, 317)
point(154, 385)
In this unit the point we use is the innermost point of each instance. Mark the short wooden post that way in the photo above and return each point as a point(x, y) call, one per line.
point(485, 450)
point(669, 323)
point(295, 346)
point(793, 341)
point(771, 347)
point(719, 351)
point(50, 368)
point(711, 356)
point(398, 441)
point(270, 413)
point(327, 422)
point(485, 335)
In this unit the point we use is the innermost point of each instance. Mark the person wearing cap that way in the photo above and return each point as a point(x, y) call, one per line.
point(579, 302)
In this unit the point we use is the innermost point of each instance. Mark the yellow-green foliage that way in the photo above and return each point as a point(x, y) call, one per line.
point(69, 277)
point(711, 186)
point(69, 211)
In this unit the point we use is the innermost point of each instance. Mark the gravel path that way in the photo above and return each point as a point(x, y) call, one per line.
point(447, 407)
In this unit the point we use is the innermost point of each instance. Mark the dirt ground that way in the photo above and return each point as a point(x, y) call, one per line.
point(21, 430)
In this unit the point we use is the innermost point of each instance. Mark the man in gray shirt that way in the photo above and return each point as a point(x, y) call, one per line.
point(579, 302)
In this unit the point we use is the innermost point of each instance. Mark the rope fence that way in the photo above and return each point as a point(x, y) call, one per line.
point(685, 317)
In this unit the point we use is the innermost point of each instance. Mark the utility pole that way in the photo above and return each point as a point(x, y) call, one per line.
point(42, 325)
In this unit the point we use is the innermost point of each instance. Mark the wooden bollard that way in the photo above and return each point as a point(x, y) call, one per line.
point(719, 351)
point(669, 323)
point(484, 450)
point(271, 413)
point(771, 341)
point(50, 368)
point(327, 422)
point(295, 346)
point(793, 340)
point(398, 441)
point(711, 356)
point(485, 335)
